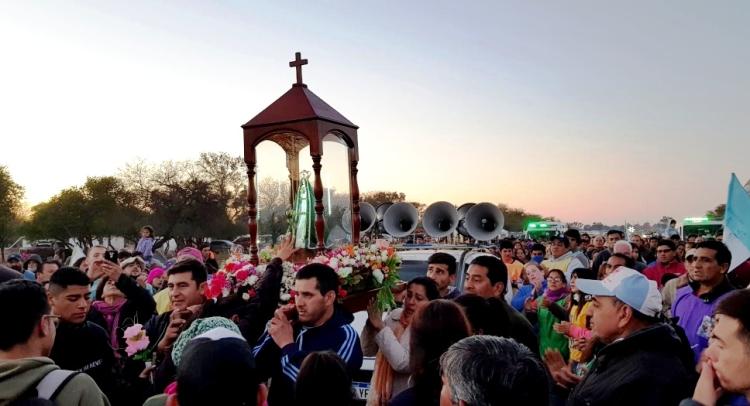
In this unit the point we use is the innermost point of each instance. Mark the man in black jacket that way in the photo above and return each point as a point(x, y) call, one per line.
point(186, 281)
point(643, 362)
point(80, 345)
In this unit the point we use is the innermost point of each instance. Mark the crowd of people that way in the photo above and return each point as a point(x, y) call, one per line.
point(577, 320)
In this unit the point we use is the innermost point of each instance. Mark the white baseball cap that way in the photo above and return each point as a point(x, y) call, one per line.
point(629, 286)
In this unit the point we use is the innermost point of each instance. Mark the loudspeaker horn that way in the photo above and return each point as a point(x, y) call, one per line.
point(400, 219)
point(440, 219)
point(483, 222)
point(367, 218)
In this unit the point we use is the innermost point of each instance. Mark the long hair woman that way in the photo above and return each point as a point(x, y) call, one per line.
point(435, 328)
point(389, 339)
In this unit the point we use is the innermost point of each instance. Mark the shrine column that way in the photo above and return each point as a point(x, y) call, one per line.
point(354, 190)
point(252, 200)
point(318, 192)
point(292, 164)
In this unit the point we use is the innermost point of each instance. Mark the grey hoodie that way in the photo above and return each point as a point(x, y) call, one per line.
point(19, 376)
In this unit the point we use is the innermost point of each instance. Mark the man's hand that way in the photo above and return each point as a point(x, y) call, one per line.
point(112, 270)
point(94, 271)
point(281, 329)
point(177, 321)
point(560, 371)
point(286, 248)
point(707, 392)
point(142, 280)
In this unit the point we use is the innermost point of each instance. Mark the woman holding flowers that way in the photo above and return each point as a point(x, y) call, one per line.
point(122, 305)
point(389, 338)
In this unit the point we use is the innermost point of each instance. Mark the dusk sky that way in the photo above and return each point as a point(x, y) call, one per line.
point(582, 110)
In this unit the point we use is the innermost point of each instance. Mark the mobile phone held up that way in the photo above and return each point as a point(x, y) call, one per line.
point(111, 256)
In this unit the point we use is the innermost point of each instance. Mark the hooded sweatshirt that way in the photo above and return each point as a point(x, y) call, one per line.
point(19, 377)
point(283, 364)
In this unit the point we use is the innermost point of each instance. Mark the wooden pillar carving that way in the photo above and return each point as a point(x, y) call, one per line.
point(252, 200)
point(319, 219)
point(354, 190)
point(292, 164)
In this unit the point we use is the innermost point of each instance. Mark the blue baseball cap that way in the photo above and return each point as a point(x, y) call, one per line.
point(629, 286)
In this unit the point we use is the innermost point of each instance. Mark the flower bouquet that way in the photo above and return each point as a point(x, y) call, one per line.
point(238, 275)
point(137, 343)
point(365, 271)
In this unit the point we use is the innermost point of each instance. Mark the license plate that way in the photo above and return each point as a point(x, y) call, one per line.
point(361, 389)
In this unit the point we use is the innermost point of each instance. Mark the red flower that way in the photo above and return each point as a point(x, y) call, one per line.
point(251, 292)
point(342, 293)
point(231, 266)
point(241, 275)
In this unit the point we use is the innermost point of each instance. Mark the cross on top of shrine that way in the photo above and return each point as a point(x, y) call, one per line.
point(297, 63)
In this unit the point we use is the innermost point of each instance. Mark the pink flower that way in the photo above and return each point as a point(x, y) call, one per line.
point(381, 244)
point(136, 339)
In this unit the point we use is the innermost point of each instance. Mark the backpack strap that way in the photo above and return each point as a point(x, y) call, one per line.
point(52, 383)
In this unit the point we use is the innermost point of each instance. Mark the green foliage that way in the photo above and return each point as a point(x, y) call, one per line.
point(516, 219)
point(376, 198)
point(11, 202)
point(717, 213)
point(101, 208)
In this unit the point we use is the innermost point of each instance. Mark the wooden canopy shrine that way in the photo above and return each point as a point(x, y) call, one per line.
point(297, 119)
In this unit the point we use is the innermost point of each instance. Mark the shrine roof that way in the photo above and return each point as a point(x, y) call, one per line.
point(297, 104)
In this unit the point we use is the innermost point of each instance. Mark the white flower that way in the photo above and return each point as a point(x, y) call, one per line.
point(334, 263)
point(345, 271)
point(384, 256)
point(245, 296)
point(252, 279)
point(378, 275)
point(285, 297)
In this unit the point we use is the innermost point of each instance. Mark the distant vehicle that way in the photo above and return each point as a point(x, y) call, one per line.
point(544, 230)
point(219, 246)
point(263, 240)
point(701, 226)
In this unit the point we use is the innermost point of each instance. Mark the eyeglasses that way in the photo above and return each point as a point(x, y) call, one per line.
point(55, 319)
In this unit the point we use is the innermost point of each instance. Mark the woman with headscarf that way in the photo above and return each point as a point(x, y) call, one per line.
point(389, 340)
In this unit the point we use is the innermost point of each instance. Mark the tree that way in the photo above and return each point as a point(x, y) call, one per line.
point(377, 198)
point(11, 202)
point(517, 219)
point(99, 209)
point(717, 213)
point(190, 200)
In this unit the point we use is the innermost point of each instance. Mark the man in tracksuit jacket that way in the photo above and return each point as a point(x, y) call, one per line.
point(313, 323)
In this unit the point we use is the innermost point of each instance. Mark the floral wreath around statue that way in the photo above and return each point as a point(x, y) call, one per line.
point(360, 268)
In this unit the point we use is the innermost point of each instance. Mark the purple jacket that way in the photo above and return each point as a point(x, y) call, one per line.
point(695, 313)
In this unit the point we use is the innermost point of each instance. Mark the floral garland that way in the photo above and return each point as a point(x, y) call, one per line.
point(366, 267)
point(237, 275)
point(240, 276)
